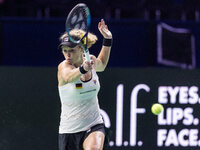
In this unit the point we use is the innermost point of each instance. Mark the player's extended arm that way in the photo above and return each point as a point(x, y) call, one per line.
point(69, 73)
point(104, 54)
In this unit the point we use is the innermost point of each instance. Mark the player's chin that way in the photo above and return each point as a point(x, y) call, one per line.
point(69, 61)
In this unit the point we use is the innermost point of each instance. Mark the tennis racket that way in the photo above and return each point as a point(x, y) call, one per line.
point(79, 18)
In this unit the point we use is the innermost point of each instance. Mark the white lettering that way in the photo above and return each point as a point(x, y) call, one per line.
point(162, 95)
point(184, 138)
point(188, 116)
point(193, 137)
point(172, 138)
point(173, 93)
point(177, 115)
point(161, 137)
point(181, 136)
point(194, 97)
point(183, 95)
point(134, 111)
point(119, 115)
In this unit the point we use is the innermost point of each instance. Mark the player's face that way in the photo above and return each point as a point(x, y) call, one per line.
point(72, 55)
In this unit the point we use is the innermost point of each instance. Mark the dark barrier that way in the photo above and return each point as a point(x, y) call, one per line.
point(1, 42)
point(30, 108)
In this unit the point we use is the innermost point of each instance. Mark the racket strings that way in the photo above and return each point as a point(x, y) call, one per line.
point(77, 23)
point(79, 20)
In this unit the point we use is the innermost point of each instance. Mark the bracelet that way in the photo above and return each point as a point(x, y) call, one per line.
point(82, 70)
point(107, 42)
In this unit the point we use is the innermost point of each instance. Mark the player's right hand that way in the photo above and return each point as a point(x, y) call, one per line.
point(88, 65)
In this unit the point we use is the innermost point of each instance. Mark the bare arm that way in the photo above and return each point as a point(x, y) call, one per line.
point(103, 57)
point(68, 73)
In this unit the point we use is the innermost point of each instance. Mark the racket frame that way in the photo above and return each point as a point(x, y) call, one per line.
point(84, 38)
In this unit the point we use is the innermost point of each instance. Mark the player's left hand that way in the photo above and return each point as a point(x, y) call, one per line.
point(103, 28)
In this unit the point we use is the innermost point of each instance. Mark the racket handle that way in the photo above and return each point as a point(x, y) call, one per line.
point(87, 55)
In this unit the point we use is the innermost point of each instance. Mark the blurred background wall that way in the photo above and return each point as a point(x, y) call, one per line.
point(154, 58)
point(29, 30)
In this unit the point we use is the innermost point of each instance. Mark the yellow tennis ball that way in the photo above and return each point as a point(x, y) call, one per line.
point(156, 108)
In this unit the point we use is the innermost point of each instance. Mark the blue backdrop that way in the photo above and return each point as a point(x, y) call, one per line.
point(33, 42)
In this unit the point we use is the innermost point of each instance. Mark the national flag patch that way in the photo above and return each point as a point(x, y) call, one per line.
point(95, 81)
point(79, 86)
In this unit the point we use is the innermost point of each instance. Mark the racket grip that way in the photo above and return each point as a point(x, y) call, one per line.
point(87, 56)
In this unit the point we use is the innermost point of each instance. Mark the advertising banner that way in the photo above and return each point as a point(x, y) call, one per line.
point(30, 108)
point(127, 96)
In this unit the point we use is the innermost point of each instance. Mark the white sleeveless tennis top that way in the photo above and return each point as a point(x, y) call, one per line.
point(79, 105)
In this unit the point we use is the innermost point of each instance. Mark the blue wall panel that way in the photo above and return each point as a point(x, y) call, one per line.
point(32, 42)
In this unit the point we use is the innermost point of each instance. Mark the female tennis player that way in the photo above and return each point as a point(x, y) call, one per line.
point(81, 125)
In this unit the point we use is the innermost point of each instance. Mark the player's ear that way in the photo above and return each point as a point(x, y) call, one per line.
point(83, 55)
